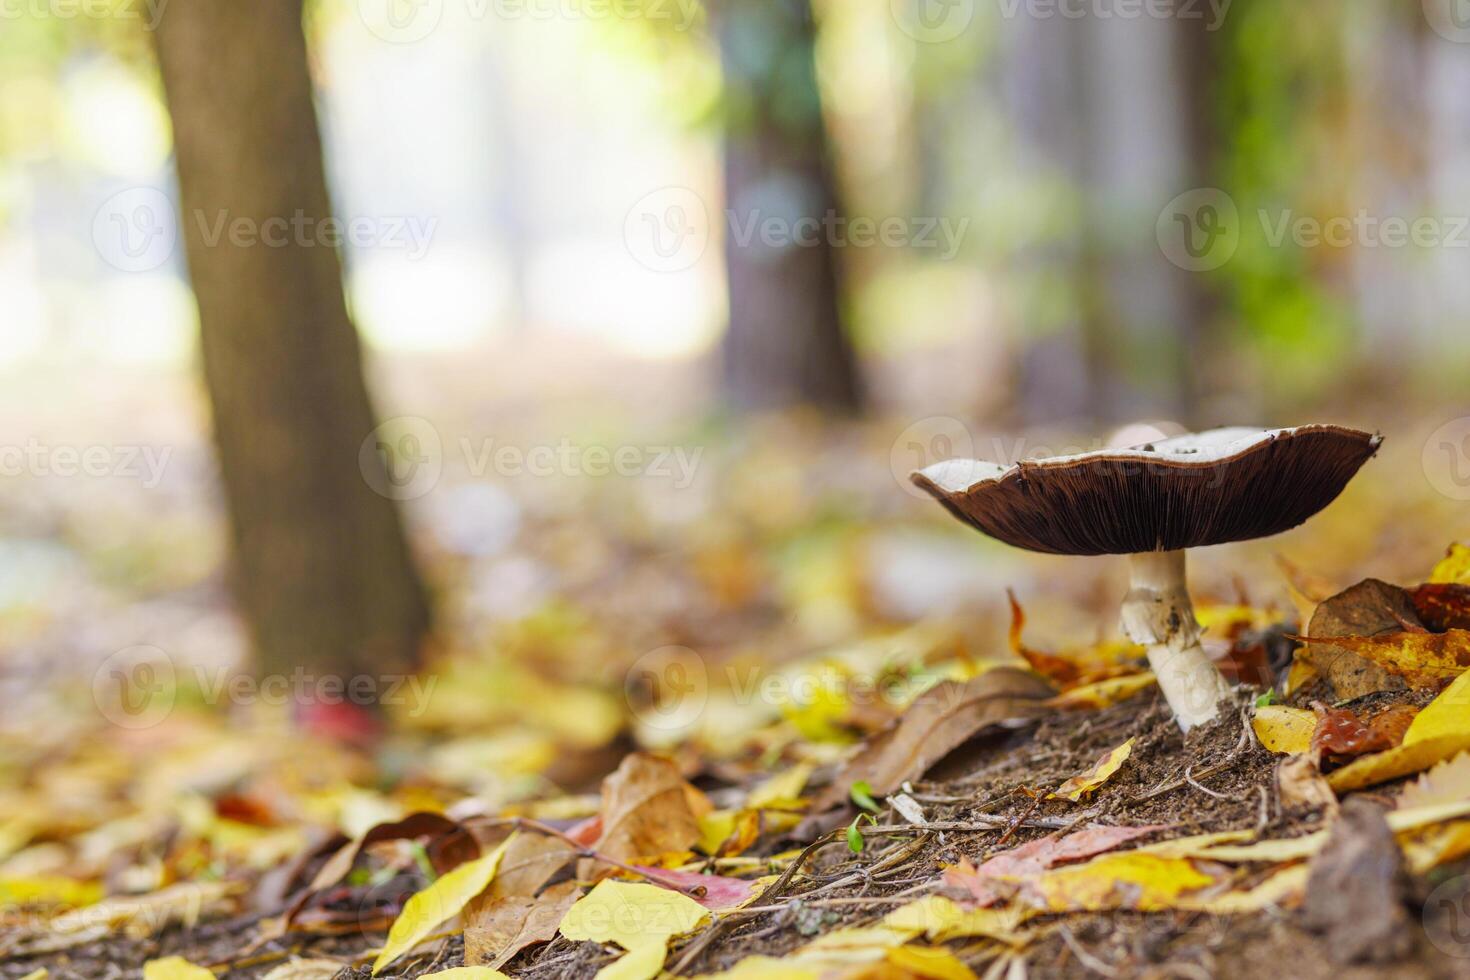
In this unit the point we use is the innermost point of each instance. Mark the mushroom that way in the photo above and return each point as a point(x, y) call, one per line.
point(1151, 502)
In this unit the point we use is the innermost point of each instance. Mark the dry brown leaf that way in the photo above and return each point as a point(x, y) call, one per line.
point(1083, 667)
point(1342, 732)
point(496, 931)
point(937, 722)
point(1421, 660)
point(1356, 886)
point(649, 810)
point(1442, 605)
point(1300, 783)
point(1365, 610)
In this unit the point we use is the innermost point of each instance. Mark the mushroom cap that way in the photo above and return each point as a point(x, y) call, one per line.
point(1191, 490)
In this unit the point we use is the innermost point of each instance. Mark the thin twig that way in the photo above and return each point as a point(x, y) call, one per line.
point(1189, 778)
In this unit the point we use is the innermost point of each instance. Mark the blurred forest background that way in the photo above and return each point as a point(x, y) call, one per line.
point(809, 244)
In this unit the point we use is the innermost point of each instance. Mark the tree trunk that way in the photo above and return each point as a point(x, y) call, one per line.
point(322, 571)
point(786, 343)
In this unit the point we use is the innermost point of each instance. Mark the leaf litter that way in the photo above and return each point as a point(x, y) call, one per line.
point(1033, 808)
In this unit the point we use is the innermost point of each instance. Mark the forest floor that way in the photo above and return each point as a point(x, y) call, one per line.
point(645, 679)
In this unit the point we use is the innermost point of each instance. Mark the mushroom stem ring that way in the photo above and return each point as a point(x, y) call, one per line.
point(1158, 615)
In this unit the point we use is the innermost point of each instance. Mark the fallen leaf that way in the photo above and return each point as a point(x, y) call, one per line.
point(1421, 660)
point(1103, 694)
point(1439, 731)
point(1132, 880)
point(1282, 889)
point(1299, 783)
point(1447, 782)
point(726, 833)
point(938, 918)
point(441, 901)
point(938, 721)
point(1442, 605)
point(1356, 889)
point(631, 915)
point(712, 891)
point(1034, 857)
point(782, 789)
point(1454, 567)
point(932, 962)
point(410, 827)
point(1364, 611)
point(1090, 779)
point(1427, 848)
point(1342, 732)
point(648, 810)
point(317, 969)
point(1283, 730)
point(1081, 667)
point(175, 968)
point(495, 932)
point(466, 973)
point(642, 963)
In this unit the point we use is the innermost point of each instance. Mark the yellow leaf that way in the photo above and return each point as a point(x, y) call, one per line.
point(1299, 676)
point(643, 963)
point(1085, 782)
point(1284, 730)
point(930, 961)
point(1130, 880)
point(305, 970)
point(938, 918)
point(48, 890)
point(1272, 851)
point(1102, 694)
point(1283, 888)
point(1196, 845)
point(40, 974)
point(174, 968)
point(782, 789)
point(765, 968)
point(631, 914)
point(438, 903)
point(1447, 714)
point(467, 973)
point(1430, 847)
point(1402, 760)
point(1454, 567)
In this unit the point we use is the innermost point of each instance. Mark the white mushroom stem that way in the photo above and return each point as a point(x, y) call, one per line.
point(1157, 614)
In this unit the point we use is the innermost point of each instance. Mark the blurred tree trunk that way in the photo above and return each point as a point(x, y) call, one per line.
point(322, 571)
point(786, 343)
point(1122, 108)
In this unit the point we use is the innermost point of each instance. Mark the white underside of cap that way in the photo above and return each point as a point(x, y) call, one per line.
point(959, 475)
